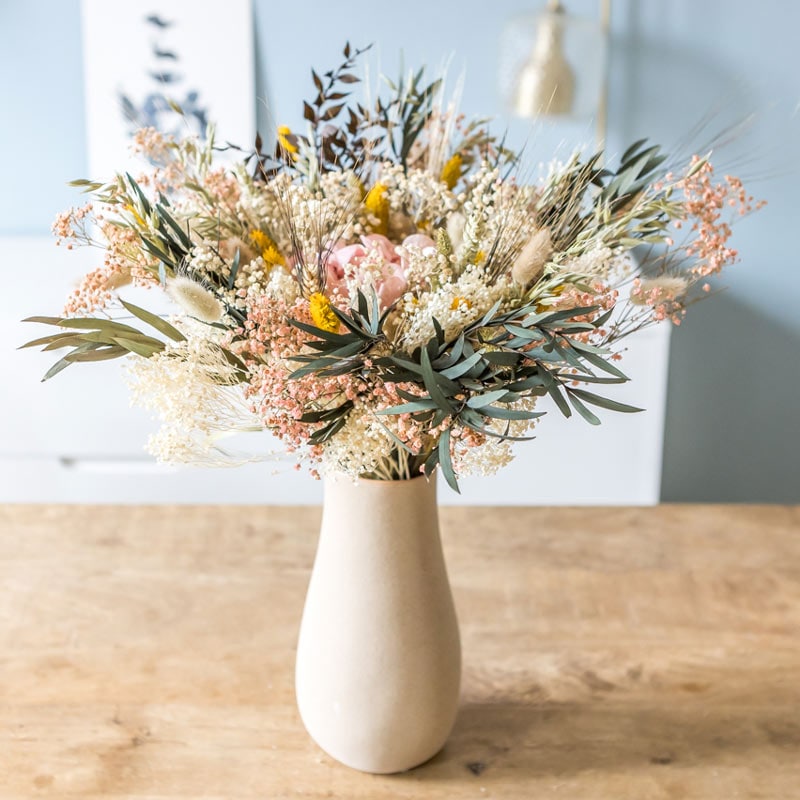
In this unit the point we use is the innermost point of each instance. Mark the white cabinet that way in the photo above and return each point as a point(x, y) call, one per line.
point(75, 438)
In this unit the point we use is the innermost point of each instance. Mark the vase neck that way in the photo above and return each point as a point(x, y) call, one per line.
point(380, 509)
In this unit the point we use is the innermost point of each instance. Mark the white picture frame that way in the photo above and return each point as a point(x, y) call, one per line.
point(140, 59)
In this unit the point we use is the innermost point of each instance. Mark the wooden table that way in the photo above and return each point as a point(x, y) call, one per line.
point(609, 653)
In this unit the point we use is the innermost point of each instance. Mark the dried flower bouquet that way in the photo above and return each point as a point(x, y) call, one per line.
point(385, 293)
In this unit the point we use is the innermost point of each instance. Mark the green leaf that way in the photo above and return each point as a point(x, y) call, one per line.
point(497, 412)
point(319, 333)
point(45, 320)
point(90, 323)
point(568, 356)
point(604, 402)
point(410, 408)
point(462, 367)
point(486, 399)
point(601, 379)
point(327, 414)
point(161, 325)
point(431, 384)
point(450, 358)
point(410, 366)
point(590, 417)
point(523, 332)
point(69, 340)
point(502, 358)
point(602, 364)
point(140, 348)
point(100, 354)
point(603, 318)
point(183, 238)
point(323, 434)
point(234, 269)
point(56, 368)
point(445, 461)
point(554, 391)
point(487, 316)
point(628, 154)
point(46, 340)
point(142, 197)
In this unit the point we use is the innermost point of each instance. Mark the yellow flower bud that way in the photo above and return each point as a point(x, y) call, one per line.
point(284, 132)
point(451, 172)
point(322, 313)
point(377, 204)
point(268, 249)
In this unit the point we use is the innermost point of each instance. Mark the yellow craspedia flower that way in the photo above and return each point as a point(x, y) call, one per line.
point(451, 171)
point(377, 204)
point(322, 313)
point(284, 132)
point(268, 249)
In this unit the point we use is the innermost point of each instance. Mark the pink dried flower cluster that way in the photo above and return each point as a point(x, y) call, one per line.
point(705, 202)
point(124, 262)
point(278, 401)
point(69, 225)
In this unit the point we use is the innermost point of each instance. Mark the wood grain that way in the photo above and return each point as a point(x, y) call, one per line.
point(147, 652)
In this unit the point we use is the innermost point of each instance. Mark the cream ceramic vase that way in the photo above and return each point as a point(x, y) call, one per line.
point(379, 656)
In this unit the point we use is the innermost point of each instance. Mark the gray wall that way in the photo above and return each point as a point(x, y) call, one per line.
point(732, 417)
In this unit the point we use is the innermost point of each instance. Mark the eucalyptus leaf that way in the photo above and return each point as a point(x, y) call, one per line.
point(161, 325)
point(590, 417)
point(604, 402)
point(139, 347)
point(445, 461)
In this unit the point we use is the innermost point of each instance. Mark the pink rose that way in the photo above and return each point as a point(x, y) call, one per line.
point(392, 285)
point(337, 263)
point(387, 251)
point(344, 261)
point(417, 241)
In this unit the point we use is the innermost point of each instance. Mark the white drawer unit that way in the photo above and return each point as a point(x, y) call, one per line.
point(75, 438)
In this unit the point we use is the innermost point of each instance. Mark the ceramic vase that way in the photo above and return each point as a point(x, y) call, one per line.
point(379, 656)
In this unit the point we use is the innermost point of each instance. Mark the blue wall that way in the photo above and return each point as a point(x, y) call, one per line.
point(732, 419)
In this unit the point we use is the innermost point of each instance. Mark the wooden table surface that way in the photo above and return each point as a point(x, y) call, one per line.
point(148, 653)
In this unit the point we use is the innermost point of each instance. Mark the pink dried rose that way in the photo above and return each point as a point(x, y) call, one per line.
point(345, 261)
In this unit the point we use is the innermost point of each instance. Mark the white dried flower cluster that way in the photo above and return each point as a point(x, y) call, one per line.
point(599, 262)
point(480, 226)
point(495, 453)
point(344, 191)
point(360, 446)
point(264, 206)
point(417, 193)
point(280, 285)
point(191, 387)
point(204, 262)
point(422, 265)
point(252, 275)
point(455, 304)
point(318, 222)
